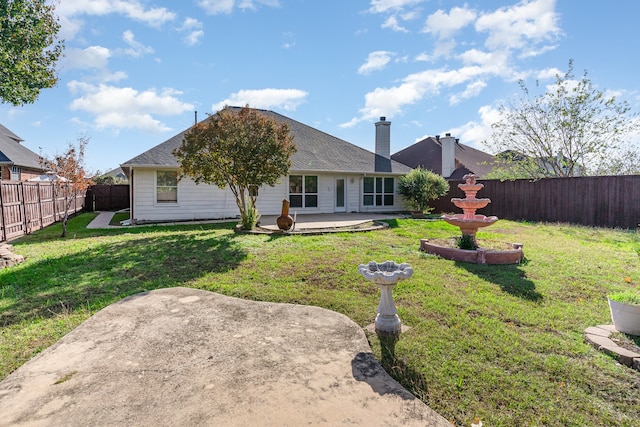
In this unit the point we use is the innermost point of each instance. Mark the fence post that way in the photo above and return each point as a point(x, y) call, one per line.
point(40, 206)
point(3, 235)
point(24, 208)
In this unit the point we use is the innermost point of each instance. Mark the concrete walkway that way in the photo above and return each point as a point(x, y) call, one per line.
point(303, 222)
point(186, 357)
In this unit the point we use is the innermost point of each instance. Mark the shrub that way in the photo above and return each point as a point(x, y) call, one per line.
point(420, 186)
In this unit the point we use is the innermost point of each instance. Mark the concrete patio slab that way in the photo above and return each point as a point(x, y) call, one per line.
point(186, 357)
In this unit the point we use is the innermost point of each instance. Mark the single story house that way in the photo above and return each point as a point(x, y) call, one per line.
point(327, 175)
point(446, 157)
point(17, 162)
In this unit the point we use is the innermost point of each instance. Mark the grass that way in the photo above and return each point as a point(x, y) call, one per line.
point(501, 343)
point(118, 217)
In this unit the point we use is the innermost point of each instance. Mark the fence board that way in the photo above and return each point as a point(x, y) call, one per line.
point(28, 206)
point(601, 201)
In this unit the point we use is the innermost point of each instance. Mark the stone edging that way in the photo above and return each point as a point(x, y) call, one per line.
point(7, 257)
point(598, 336)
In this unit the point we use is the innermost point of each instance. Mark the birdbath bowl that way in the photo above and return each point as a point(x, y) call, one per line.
point(386, 275)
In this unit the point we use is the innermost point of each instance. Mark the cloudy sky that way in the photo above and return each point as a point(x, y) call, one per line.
point(134, 71)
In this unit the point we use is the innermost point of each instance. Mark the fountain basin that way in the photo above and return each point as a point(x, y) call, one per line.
point(469, 224)
point(510, 255)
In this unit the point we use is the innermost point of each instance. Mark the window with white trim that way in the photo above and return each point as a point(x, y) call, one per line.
point(15, 173)
point(378, 191)
point(166, 186)
point(303, 191)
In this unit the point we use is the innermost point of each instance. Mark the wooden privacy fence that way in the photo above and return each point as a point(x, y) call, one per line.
point(601, 201)
point(107, 197)
point(29, 206)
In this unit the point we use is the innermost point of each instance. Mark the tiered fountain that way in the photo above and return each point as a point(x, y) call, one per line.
point(469, 223)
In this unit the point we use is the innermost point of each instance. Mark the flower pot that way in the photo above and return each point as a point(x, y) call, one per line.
point(626, 317)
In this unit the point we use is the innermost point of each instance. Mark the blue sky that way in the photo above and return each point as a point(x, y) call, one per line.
point(135, 71)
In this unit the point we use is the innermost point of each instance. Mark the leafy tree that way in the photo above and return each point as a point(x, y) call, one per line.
point(29, 49)
point(572, 129)
point(420, 186)
point(71, 178)
point(243, 150)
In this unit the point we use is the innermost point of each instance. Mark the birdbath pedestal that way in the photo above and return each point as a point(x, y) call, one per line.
point(386, 275)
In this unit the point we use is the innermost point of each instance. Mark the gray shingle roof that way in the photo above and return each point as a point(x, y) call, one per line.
point(427, 153)
point(317, 152)
point(13, 153)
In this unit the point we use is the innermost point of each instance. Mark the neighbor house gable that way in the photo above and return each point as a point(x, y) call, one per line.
point(427, 154)
point(16, 157)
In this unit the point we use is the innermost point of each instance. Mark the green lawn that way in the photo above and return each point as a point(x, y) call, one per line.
point(501, 343)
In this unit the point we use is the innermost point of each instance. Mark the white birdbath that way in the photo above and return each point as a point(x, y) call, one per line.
point(386, 275)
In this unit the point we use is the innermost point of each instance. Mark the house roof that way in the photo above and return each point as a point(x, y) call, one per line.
point(317, 151)
point(13, 153)
point(427, 154)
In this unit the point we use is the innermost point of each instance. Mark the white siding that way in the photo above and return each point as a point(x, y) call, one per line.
point(202, 201)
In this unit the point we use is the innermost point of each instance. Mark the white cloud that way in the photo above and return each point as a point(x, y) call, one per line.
point(193, 29)
point(155, 16)
point(392, 23)
point(514, 26)
point(473, 133)
point(390, 101)
point(375, 61)
point(288, 99)
point(549, 73)
point(423, 57)
point(396, 11)
point(126, 108)
point(215, 7)
point(135, 49)
point(444, 25)
point(90, 57)
point(382, 6)
point(472, 89)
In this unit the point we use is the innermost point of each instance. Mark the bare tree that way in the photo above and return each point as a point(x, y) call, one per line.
point(70, 176)
point(571, 129)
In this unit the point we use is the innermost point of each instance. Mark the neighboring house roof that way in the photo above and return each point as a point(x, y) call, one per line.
point(317, 151)
point(116, 173)
point(13, 153)
point(48, 177)
point(427, 154)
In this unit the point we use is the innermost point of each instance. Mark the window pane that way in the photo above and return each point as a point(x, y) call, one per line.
point(378, 185)
point(311, 201)
point(388, 199)
point(340, 193)
point(310, 184)
point(167, 178)
point(295, 184)
point(368, 185)
point(388, 185)
point(167, 194)
point(295, 201)
point(378, 199)
point(367, 200)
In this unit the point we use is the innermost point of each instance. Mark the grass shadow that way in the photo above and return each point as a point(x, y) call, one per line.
point(511, 279)
point(107, 272)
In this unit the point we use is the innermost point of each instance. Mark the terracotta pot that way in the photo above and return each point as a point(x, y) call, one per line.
point(284, 221)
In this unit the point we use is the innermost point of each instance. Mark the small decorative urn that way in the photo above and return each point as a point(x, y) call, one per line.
point(284, 221)
point(386, 275)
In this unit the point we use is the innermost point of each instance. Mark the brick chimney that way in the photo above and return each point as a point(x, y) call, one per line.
point(448, 155)
point(383, 138)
